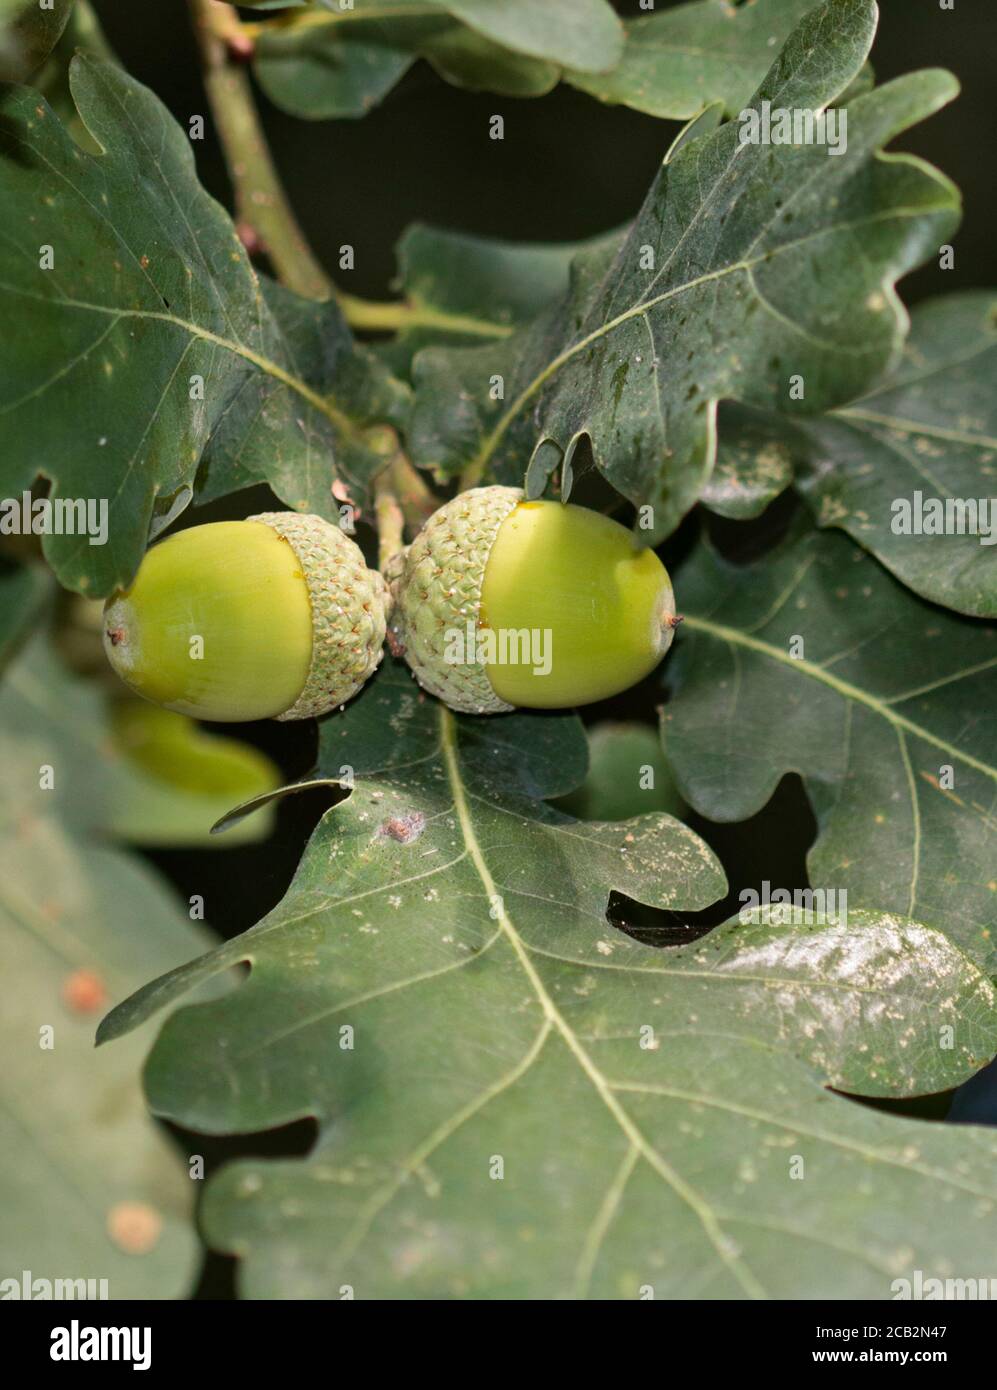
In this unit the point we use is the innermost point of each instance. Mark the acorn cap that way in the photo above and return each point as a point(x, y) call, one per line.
point(503, 603)
point(349, 603)
point(438, 593)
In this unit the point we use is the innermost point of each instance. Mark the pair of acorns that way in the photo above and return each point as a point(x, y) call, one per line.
point(497, 603)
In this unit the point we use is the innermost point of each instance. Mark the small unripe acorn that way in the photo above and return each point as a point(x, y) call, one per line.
point(500, 603)
point(276, 617)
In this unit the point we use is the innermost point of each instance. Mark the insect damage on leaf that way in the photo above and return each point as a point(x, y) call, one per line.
point(404, 829)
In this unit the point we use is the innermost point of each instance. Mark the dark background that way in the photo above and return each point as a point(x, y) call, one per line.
point(567, 168)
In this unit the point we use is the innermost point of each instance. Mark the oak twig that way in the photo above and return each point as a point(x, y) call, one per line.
point(262, 210)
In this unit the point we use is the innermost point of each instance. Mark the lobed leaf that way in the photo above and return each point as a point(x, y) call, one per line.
point(462, 288)
point(678, 61)
point(441, 990)
point(150, 291)
point(884, 706)
point(321, 63)
point(771, 263)
point(930, 429)
point(924, 438)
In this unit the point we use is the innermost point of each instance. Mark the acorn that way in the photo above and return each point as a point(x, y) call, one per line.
point(275, 617)
point(500, 603)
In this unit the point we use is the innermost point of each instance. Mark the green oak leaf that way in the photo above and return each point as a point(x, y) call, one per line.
point(754, 461)
point(676, 62)
point(82, 34)
point(582, 34)
point(28, 34)
point(461, 289)
point(931, 428)
point(423, 782)
point(627, 775)
point(629, 1167)
point(441, 986)
point(756, 282)
point(323, 63)
point(150, 290)
point(627, 1172)
point(264, 433)
point(92, 1188)
point(884, 706)
point(321, 73)
point(470, 60)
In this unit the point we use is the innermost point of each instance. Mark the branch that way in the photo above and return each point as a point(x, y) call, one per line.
point(401, 495)
point(262, 209)
point(296, 22)
point(416, 497)
point(394, 315)
point(390, 520)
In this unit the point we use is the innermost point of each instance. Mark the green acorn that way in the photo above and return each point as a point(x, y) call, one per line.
point(275, 617)
point(500, 603)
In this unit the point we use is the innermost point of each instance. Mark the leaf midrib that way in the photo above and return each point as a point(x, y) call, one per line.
point(693, 1199)
point(641, 309)
point(737, 638)
point(264, 364)
point(866, 1151)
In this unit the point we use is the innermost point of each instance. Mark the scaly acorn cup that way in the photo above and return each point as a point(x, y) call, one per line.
point(500, 603)
point(275, 617)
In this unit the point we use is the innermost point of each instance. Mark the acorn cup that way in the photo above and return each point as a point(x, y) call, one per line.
point(500, 603)
point(275, 617)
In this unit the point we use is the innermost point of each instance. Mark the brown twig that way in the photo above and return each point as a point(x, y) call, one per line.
point(266, 222)
point(261, 206)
